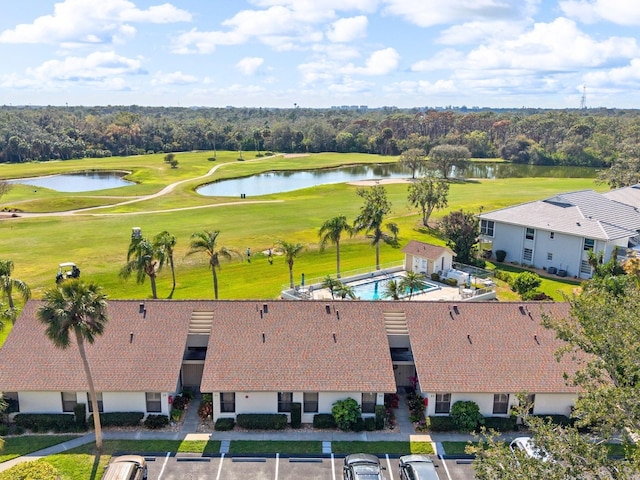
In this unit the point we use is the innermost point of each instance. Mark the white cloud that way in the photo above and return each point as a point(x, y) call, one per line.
point(348, 29)
point(380, 62)
point(77, 22)
point(427, 13)
point(423, 87)
point(621, 12)
point(350, 86)
point(173, 78)
point(249, 65)
point(473, 33)
point(626, 76)
point(97, 65)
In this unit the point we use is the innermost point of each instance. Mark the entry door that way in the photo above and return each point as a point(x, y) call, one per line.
point(192, 374)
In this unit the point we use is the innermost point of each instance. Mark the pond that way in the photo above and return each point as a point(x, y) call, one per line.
point(285, 181)
point(78, 182)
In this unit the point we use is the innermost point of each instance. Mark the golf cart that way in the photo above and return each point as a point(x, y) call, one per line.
point(67, 270)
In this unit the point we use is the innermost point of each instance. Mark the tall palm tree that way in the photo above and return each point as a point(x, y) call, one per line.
point(165, 243)
point(7, 284)
point(142, 258)
point(371, 219)
point(331, 231)
point(205, 242)
point(413, 282)
point(79, 309)
point(290, 252)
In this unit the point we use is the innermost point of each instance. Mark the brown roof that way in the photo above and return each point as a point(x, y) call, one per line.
point(488, 347)
point(426, 250)
point(298, 351)
point(151, 361)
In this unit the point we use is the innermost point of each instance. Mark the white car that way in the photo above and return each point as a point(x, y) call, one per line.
point(529, 448)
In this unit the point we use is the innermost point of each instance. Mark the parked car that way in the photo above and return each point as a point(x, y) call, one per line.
point(417, 467)
point(362, 466)
point(529, 448)
point(126, 467)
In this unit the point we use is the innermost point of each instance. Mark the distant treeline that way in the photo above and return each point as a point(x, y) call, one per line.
point(540, 137)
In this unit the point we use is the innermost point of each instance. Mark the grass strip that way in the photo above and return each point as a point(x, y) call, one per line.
point(18, 446)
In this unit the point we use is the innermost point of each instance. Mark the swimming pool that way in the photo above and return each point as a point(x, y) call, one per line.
point(374, 290)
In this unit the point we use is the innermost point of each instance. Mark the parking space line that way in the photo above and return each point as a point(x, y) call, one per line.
point(277, 464)
point(389, 467)
point(166, 459)
point(220, 466)
point(444, 463)
point(333, 467)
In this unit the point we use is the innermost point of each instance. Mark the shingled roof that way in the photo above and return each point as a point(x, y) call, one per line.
point(136, 352)
point(426, 250)
point(298, 346)
point(495, 347)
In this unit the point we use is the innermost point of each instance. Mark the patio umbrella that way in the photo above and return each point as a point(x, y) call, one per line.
point(302, 280)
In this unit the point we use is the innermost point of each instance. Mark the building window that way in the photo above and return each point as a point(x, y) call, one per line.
point(154, 403)
point(549, 256)
point(310, 402)
point(527, 255)
point(500, 403)
point(443, 402)
point(368, 403)
point(227, 402)
point(552, 235)
point(69, 401)
point(529, 234)
point(100, 408)
point(585, 268)
point(589, 243)
point(284, 401)
point(486, 228)
point(531, 400)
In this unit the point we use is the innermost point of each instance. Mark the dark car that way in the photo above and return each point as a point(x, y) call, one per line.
point(417, 467)
point(362, 466)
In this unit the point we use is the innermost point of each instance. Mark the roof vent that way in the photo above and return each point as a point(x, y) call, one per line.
point(535, 337)
point(264, 338)
point(455, 309)
point(337, 314)
point(451, 315)
point(265, 308)
point(522, 310)
point(328, 309)
point(130, 337)
point(469, 338)
point(335, 340)
point(141, 306)
point(260, 313)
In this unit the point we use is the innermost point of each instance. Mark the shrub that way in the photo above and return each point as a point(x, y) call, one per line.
point(262, 421)
point(536, 295)
point(175, 414)
point(45, 422)
point(440, 424)
point(346, 412)
point(525, 282)
point(501, 255)
point(435, 277)
point(224, 424)
point(180, 402)
point(358, 426)
point(324, 420)
point(452, 282)
point(465, 415)
point(205, 409)
point(501, 424)
point(4, 429)
point(296, 415)
point(154, 422)
point(502, 275)
point(12, 404)
point(561, 420)
point(31, 470)
point(80, 416)
point(212, 159)
point(119, 419)
point(381, 413)
point(370, 424)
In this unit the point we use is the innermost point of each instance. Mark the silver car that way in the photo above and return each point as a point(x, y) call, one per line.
point(417, 467)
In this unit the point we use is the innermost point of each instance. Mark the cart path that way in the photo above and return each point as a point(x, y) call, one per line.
point(169, 188)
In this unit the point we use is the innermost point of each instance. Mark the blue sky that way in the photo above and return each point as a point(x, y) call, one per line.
point(319, 53)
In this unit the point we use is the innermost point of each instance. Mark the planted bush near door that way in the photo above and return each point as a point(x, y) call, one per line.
point(466, 416)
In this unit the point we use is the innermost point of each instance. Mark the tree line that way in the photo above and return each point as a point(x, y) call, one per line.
point(542, 137)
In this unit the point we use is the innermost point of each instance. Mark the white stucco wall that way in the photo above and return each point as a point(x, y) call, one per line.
point(51, 402)
point(554, 403)
point(124, 402)
point(40, 402)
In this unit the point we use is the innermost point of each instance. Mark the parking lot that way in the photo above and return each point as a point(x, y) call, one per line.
point(182, 467)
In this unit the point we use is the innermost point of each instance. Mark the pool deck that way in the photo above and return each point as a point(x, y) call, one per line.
point(444, 293)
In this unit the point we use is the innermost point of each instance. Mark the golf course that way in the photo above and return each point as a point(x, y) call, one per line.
point(43, 228)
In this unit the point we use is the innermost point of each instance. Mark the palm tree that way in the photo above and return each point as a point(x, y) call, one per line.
point(331, 231)
point(80, 309)
point(142, 258)
point(371, 219)
point(332, 284)
point(205, 242)
point(413, 282)
point(290, 251)
point(164, 242)
point(392, 290)
point(7, 284)
point(345, 291)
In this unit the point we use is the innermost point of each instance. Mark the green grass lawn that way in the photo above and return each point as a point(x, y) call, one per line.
point(239, 447)
point(381, 448)
point(18, 446)
point(456, 448)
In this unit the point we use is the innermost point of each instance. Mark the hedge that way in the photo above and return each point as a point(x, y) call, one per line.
point(262, 421)
point(45, 422)
point(154, 422)
point(80, 416)
point(381, 414)
point(358, 426)
point(440, 424)
point(119, 419)
point(562, 420)
point(324, 420)
point(296, 415)
point(224, 424)
point(501, 424)
point(369, 424)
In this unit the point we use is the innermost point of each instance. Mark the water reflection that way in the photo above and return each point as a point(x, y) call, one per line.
point(78, 182)
point(286, 181)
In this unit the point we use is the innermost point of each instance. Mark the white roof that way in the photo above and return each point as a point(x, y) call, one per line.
point(585, 213)
point(627, 195)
